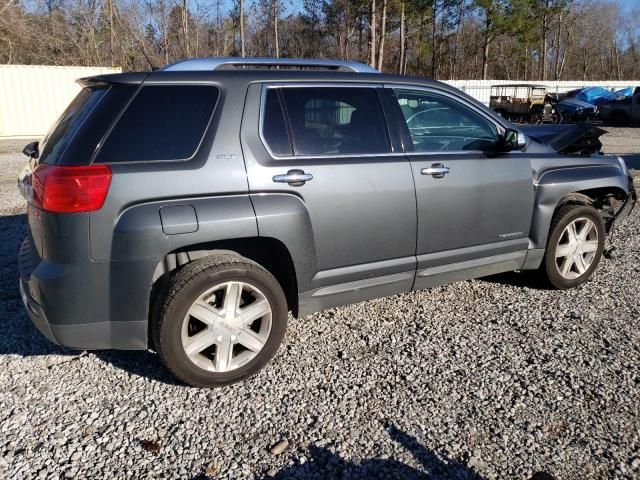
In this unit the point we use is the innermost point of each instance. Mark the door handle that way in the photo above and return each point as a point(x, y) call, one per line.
point(436, 170)
point(295, 178)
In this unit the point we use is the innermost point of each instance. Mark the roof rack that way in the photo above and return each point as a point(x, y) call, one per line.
point(236, 63)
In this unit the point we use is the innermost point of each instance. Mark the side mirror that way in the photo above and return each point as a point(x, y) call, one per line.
point(513, 140)
point(31, 150)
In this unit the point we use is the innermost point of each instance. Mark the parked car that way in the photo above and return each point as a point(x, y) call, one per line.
point(524, 103)
point(573, 110)
point(622, 111)
point(190, 209)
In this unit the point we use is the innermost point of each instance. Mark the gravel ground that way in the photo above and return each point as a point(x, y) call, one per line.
point(484, 379)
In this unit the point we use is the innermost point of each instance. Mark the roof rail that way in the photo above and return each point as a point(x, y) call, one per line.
point(236, 63)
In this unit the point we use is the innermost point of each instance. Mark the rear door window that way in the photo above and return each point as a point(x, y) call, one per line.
point(274, 129)
point(327, 121)
point(163, 122)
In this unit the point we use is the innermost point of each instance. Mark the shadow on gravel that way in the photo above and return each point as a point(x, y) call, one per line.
point(12, 231)
point(324, 464)
point(19, 336)
point(527, 279)
point(140, 363)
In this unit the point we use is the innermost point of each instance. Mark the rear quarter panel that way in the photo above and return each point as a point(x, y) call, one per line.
point(127, 235)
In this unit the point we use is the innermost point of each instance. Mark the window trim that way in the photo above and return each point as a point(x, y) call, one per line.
point(280, 85)
point(142, 85)
point(285, 119)
point(402, 124)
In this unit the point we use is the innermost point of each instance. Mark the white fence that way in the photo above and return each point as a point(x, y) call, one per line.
point(33, 97)
point(481, 89)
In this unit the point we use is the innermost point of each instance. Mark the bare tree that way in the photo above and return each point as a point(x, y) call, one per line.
point(242, 48)
point(452, 38)
point(275, 26)
point(372, 34)
point(403, 40)
point(383, 34)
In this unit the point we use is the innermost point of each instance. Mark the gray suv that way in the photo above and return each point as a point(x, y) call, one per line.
point(190, 209)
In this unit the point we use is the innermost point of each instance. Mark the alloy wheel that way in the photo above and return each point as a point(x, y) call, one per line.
point(226, 327)
point(576, 248)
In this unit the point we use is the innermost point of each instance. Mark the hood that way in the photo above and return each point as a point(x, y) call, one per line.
point(574, 104)
point(578, 139)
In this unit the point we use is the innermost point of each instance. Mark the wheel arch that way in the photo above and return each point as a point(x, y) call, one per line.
point(585, 185)
point(268, 252)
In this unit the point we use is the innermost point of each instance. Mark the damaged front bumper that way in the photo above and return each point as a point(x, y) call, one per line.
point(624, 210)
point(629, 203)
point(619, 216)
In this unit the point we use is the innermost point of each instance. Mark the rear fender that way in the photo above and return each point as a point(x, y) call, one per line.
point(285, 217)
point(142, 239)
point(152, 230)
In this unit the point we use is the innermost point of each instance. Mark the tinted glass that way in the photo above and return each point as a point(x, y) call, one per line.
point(85, 141)
point(274, 127)
point(161, 123)
point(335, 120)
point(440, 124)
point(57, 140)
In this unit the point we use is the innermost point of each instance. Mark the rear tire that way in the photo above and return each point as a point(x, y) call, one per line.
point(222, 319)
point(574, 248)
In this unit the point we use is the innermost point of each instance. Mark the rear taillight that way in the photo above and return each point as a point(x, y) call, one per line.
point(66, 189)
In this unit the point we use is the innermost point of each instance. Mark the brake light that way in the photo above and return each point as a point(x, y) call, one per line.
point(67, 189)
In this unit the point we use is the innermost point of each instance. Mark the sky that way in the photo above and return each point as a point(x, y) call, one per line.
point(628, 5)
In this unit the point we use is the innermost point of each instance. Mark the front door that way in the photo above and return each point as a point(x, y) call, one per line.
point(474, 205)
point(325, 179)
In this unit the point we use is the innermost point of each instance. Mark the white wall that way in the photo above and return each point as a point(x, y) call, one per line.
point(481, 89)
point(32, 97)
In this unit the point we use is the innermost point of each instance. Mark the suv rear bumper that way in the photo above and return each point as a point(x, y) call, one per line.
point(67, 325)
point(36, 314)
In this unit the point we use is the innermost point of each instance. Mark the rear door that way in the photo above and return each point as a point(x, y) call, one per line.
point(474, 205)
point(324, 151)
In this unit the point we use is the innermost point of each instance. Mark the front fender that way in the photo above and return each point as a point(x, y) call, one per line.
point(556, 184)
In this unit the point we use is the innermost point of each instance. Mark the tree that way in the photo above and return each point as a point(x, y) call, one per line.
point(242, 29)
point(512, 39)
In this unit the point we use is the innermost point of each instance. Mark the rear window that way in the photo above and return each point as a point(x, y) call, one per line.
point(59, 137)
point(161, 123)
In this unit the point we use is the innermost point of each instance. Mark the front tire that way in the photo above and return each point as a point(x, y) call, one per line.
point(222, 320)
point(574, 247)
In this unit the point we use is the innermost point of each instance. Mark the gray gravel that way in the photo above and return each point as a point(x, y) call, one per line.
point(484, 379)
